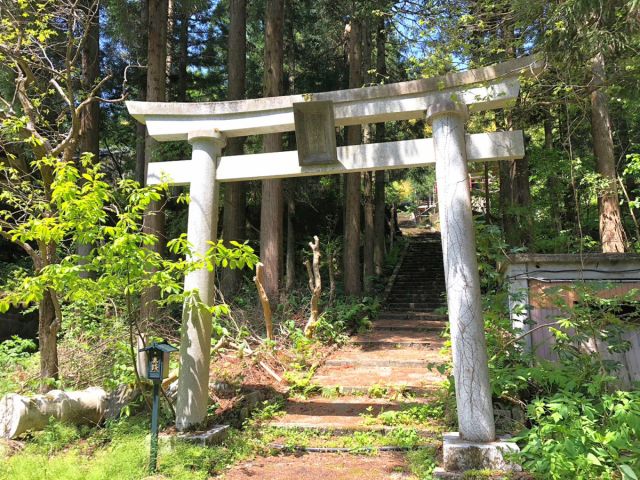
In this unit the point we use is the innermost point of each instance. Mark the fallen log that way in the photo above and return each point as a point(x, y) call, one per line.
point(19, 414)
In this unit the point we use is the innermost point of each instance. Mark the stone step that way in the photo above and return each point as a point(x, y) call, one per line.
point(412, 282)
point(365, 379)
point(417, 265)
point(394, 315)
point(373, 355)
point(340, 415)
point(398, 338)
point(420, 306)
point(415, 297)
point(420, 277)
point(414, 324)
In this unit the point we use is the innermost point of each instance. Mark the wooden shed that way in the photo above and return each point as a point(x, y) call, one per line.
point(532, 277)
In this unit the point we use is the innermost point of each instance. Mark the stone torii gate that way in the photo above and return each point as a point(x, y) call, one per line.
point(445, 101)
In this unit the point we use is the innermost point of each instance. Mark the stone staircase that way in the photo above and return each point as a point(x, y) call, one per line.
point(388, 368)
point(383, 370)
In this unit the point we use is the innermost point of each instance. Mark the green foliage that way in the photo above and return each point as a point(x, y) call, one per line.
point(412, 415)
point(377, 391)
point(16, 360)
point(270, 409)
point(83, 208)
point(300, 381)
point(422, 462)
point(15, 348)
point(95, 349)
point(119, 450)
point(56, 437)
point(579, 424)
point(579, 436)
point(491, 249)
point(346, 316)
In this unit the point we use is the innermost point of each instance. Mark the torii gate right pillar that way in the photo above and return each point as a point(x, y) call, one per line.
point(474, 446)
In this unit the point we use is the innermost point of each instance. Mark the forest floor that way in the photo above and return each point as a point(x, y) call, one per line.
point(379, 407)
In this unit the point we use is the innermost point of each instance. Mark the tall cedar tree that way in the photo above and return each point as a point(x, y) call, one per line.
point(271, 210)
point(379, 211)
point(368, 241)
point(154, 219)
point(90, 116)
point(611, 229)
point(233, 221)
point(352, 284)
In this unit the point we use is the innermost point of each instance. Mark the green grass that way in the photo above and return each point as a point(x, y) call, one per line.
point(118, 451)
point(422, 462)
point(357, 441)
point(428, 415)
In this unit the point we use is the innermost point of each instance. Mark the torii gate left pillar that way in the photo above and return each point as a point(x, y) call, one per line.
point(195, 333)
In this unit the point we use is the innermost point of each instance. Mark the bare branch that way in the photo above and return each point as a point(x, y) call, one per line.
point(58, 88)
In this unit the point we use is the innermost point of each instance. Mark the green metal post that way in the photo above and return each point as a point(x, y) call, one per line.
point(153, 460)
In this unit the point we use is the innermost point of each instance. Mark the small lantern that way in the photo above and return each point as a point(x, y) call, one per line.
point(158, 360)
point(157, 370)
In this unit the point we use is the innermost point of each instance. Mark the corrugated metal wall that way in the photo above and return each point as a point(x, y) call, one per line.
point(545, 309)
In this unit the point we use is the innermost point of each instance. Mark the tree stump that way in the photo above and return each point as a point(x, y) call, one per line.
point(264, 299)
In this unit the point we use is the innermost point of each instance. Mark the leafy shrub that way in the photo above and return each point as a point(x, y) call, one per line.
point(347, 315)
point(15, 348)
point(415, 414)
point(17, 365)
point(580, 436)
point(579, 425)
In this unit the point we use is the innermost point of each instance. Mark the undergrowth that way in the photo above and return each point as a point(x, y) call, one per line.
point(578, 420)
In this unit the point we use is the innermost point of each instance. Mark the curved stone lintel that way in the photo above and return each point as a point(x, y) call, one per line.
point(448, 107)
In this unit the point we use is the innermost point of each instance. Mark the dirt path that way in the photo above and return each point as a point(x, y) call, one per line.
point(380, 390)
point(327, 466)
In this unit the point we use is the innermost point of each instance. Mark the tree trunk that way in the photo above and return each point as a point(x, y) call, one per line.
point(515, 198)
point(154, 218)
point(157, 50)
point(554, 184)
point(379, 212)
point(611, 230)
point(367, 137)
point(315, 285)
point(352, 285)
point(291, 240)
point(141, 130)
point(271, 210)
point(234, 219)
point(379, 221)
point(264, 300)
point(523, 200)
point(48, 341)
point(182, 62)
point(171, 21)
point(368, 265)
point(89, 134)
point(90, 116)
point(487, 194)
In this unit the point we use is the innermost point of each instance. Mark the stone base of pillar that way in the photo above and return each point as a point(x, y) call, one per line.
point(461, 455)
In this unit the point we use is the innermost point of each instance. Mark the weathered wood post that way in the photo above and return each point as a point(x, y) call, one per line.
point(470, 367)
point(195, 334)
